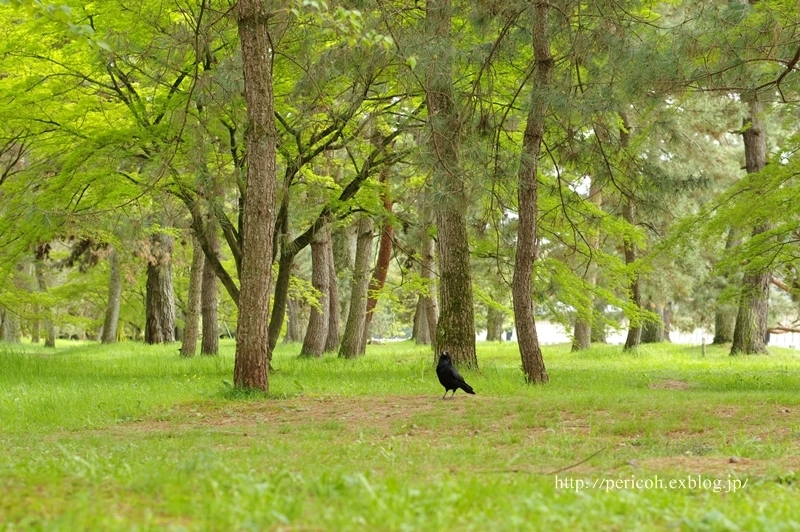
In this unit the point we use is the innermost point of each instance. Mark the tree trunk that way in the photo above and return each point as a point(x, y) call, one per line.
point(160, 296)
point(494, 324)
point(750, 331)
point(527, 193)
point(635, 328)
point(653, 331)
point(382, 263)
point(252, 340)
point(294, 327)
point(10, 328)
point(281, 297)
point(455, 331)
point(582, 335)
point(353, 337)
point(209, 302)
point(49, 328)
point(428, 273)
point(317, 331)
point(111, 321)
point(725, 313)
point(332, 341)
point(421, 332)
point(192, 329)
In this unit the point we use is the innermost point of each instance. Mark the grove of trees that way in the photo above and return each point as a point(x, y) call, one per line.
point(178, 170)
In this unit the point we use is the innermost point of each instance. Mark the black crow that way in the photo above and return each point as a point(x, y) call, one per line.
point(449, 376)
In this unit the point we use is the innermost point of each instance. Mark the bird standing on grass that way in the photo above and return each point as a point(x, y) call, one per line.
point(449, 376)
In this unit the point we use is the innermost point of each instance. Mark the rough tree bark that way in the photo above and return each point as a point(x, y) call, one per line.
point(455, 331)
point(420, 331)
point(192, 329)
point(160, 295)
point(111, 321)
point(750, 331)
point(294, 328)
point(317, 331)
point(527, 193)
point(353, 335)
point(252, 342)
point(725, 313)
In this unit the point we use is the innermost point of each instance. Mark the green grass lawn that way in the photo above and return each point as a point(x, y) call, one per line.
point(132, 437)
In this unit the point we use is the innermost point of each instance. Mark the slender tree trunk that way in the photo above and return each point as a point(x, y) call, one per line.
point(332, 341)
point(192, 329)
point(750, 331)
point(111, 321)
point(725, 313)
point(527, 193)
point(634, 337)
point(421, 333)
point(294, 328)
point(13, 320)
point(252, 340)
point(381, 267)
point(455, 331)
point(582, 334)
point(160, 296)
point(428, 273)
point(209, 302)
point(353, 336)
point(281, 297)
point(317, 331)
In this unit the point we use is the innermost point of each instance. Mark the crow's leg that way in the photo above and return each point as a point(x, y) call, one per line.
point(445, 393)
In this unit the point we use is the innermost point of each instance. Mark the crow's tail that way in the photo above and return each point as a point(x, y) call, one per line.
point(467, 388)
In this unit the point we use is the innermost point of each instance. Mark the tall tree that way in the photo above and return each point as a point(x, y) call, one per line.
point(455, 331)
point(192, 316)
point(527, 192)
point(353, 336)
point(750, 331)
point(159, 295)
point(252, 341)
point(111, 320)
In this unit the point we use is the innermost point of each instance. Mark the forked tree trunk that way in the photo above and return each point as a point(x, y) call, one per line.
point(252, 339)
point(111, 321)
point(317, 331)
point(527, 193)
point(455, 331)
point(208, 298)
point(160, 296)
point(192, 329)
point(352, 338)
point(750, 331)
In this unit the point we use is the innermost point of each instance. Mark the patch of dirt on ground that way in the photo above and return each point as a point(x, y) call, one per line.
point(669, 384)
point(716, 465)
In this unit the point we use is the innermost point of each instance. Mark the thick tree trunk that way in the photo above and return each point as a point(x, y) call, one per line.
point(494, 324)
point(332, 341)
point(750, 331)
point(527, 193)
point(160, 296)
point(317, 331)
point(353, 337)
point(582, 334)
point(455, 331)
point(192, 329)
point(209, 301)
point(252, 341)
point(111, 321)
point(653, 331)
